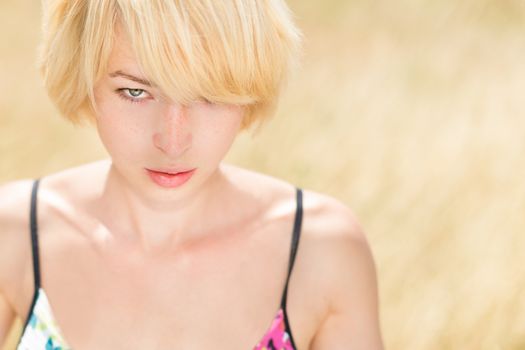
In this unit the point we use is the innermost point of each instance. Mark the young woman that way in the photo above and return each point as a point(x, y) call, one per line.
point(163, 245)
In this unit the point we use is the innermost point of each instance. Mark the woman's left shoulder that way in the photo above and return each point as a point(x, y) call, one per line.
point(338, 258)
point(336, 246)
point(330, 219)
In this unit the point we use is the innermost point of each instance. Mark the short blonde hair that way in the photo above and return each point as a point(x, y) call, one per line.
point(226, 51)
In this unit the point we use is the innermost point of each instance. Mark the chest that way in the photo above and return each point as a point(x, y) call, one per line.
point(221, 297)
point(161, 330)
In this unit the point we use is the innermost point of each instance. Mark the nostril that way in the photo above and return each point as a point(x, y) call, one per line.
point(172, 145)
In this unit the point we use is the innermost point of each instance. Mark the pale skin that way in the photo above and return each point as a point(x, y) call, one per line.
point(128, 265)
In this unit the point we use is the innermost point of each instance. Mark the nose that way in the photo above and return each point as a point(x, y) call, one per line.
point(173, 136)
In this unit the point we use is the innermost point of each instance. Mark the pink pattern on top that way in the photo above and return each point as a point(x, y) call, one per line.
point(277, 337)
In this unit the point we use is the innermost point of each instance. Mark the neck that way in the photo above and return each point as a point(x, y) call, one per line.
point(159, 223)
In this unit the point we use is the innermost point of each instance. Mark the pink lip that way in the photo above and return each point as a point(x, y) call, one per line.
point(169, 179)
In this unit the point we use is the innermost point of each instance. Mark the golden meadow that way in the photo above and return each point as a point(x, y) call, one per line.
point(411, 112)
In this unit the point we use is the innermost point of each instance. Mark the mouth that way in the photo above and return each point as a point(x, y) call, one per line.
point(170, 178)
point(170, 171)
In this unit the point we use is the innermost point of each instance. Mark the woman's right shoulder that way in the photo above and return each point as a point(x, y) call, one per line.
point(13, 194)
point(15, 200)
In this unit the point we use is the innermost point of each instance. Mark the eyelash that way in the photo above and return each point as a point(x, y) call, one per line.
point(121, 94)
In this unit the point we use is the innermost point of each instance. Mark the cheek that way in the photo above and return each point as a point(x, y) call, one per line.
point(221, 130)
point(120, 131)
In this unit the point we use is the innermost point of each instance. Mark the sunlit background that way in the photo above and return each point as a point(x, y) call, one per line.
point(411, 112)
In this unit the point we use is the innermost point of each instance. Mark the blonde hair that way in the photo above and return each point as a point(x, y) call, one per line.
point(226, 51)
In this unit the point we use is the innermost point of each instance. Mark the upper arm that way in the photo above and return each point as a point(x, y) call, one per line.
point(14, 209)
point(7, 317)
point(352, 320)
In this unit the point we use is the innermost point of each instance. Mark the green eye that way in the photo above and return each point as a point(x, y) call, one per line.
point(135, 92)
point(132, 95)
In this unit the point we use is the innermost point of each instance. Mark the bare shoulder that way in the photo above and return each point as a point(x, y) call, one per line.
point(345, 274)
point(331, 218)
point(336, 241)
point(56, 191)
point(14, 228)
point(14, 194)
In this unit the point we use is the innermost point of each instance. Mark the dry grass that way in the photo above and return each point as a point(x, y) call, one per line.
point(409, 111)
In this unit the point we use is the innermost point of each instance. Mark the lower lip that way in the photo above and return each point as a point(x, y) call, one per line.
point(170, 180)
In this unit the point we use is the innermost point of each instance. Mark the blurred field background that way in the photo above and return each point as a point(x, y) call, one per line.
point(412, 112)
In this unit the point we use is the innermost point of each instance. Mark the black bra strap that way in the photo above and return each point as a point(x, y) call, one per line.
point(295, 242)
point(34, 247)
point(34, 234)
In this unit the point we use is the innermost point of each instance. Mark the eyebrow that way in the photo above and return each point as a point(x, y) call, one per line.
point(120, 73)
